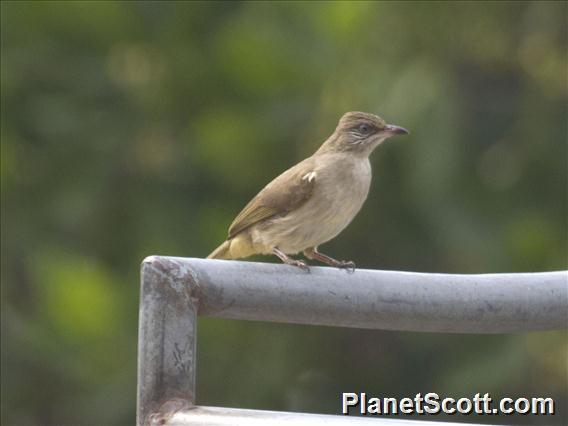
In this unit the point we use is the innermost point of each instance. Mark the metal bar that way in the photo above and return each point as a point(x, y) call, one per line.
point(175, 290)
point(220, 416)
point(391, 300)
point(166, 342)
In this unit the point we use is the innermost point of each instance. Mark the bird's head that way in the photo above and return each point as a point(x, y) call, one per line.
point(360, 133)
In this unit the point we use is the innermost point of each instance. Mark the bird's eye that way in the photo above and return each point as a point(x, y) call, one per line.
point(364, 129)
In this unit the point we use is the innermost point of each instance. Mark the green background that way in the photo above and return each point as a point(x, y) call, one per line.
point(139, 128)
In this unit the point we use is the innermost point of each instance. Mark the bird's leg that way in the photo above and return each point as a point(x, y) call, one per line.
point(289, 261)
point(313, 253)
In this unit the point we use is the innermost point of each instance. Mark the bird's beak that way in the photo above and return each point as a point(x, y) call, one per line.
point(395, 130)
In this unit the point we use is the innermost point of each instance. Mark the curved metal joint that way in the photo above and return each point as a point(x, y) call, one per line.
point(167, 337)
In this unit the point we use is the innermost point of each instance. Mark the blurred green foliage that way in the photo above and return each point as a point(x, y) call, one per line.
point(138, 128)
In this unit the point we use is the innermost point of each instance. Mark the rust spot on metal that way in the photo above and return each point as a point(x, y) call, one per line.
point(167, 411)
point(177, 276)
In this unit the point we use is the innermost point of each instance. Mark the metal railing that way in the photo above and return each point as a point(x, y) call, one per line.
point(174, 291)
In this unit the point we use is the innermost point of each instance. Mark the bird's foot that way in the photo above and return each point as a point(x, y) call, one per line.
point(298, 263)
point(290, 261)
point(313, 253)
point(349, 265)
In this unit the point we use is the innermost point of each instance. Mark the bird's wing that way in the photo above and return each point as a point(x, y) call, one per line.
point(284, 194)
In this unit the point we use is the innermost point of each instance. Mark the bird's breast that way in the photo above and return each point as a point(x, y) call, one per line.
point(343, 190)
point(342, 185)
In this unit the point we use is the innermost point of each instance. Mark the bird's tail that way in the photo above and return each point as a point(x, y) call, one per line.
point(222, 252)
point(235, 248)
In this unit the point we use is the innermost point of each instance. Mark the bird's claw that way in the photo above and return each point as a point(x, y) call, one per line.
point(346, 264)
point(300, 264)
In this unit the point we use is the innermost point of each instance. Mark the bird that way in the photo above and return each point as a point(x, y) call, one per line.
point(313, 201)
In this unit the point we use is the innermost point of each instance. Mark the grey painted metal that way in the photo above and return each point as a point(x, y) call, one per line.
point(175, 290)
point(166, 342)
point(220, 416)
point(391, 300)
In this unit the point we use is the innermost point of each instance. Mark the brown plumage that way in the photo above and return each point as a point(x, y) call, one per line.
point(313, 201)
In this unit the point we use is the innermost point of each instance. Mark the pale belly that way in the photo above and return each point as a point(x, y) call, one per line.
point(330, 209)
